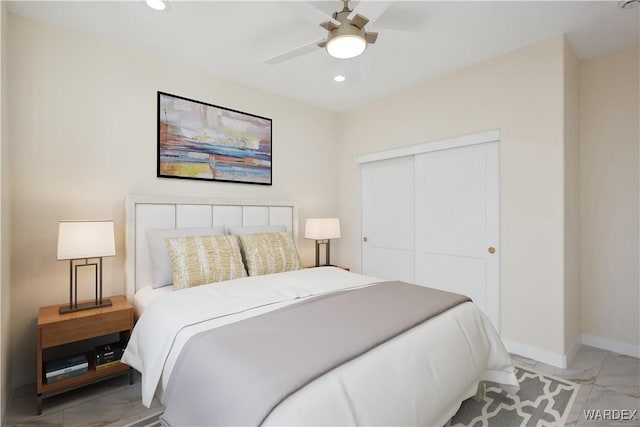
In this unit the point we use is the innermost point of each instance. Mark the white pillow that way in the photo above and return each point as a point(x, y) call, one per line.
point(160, 261)
point(257, 229)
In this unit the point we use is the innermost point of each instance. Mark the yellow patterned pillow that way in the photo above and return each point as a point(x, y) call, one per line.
point(267, 253)
point(197, 260)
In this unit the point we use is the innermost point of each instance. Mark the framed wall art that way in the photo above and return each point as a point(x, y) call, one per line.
point(202, 141)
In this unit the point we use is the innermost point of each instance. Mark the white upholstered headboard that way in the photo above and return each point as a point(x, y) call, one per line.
point(145, 212)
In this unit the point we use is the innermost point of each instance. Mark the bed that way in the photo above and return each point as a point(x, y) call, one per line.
point(419, 375)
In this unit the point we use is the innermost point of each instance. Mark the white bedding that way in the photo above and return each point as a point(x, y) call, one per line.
point(145, 296)
point(440, 361)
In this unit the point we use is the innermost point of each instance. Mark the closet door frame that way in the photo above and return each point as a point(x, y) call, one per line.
point(444, 144)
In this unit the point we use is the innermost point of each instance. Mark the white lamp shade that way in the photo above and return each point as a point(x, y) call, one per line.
point(322, 228)
point(85, 239)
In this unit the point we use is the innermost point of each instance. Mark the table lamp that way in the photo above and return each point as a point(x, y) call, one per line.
point(322, 230)
point(79, 242)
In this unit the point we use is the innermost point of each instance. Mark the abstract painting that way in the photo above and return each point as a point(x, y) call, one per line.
point(204, 141)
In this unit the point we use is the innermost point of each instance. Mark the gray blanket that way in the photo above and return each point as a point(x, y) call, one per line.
point(237, 374)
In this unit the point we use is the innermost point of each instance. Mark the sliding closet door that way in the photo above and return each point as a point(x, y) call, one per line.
point(456, 223)
point(387, 218)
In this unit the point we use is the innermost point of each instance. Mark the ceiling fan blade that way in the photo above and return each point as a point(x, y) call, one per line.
point(411, 17)
point(359, 21)
point(372, 9)
point(324, 6)
point(305, 11)
point(329, 25)
point(293, 53)
point(371, 37)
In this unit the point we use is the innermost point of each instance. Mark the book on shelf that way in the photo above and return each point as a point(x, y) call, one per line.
point(61, 371)
point(109, 353)
point(108, 365)
point(66, 365)
point(65, 375)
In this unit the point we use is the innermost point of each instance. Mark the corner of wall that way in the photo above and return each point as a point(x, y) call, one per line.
point(4, 224)
point(571, 101)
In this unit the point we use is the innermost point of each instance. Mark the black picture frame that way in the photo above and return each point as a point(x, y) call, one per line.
point(202, 141)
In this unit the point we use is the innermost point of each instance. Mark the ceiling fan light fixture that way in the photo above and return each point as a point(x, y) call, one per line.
point(346, 46)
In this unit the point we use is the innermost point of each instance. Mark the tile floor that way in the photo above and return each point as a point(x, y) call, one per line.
point(607, 381)
point(112, 403)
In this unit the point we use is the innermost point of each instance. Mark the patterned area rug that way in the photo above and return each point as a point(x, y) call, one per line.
point(543, 400)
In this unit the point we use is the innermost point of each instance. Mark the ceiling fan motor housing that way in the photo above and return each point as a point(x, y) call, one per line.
point(345, 30)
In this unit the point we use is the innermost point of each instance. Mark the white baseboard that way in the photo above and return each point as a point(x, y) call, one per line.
point(536, 353)
point(611, 345)
point(563, 360)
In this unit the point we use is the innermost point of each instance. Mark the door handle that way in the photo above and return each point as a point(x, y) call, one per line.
point(491, 250)
point(364, 239)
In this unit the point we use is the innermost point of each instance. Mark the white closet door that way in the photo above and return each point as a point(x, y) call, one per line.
point(456, 228)
point(387, 218)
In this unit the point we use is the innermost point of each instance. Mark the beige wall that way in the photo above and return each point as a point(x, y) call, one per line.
point(609, 135)
point(83, 136)
point(571, 202)
point(5, 315)
point(521, 94)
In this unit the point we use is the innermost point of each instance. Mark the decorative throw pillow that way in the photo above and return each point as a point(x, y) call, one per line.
point(197, 260)
point(267, 253)
point(160, 261)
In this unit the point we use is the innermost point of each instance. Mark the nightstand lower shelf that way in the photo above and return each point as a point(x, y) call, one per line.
point(91, 377)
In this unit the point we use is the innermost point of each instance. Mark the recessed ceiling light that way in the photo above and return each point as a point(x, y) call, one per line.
point(628, 4)
point(156, 4)
point(339, 78)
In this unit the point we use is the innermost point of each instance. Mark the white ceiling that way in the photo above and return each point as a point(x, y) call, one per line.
point(232, 38)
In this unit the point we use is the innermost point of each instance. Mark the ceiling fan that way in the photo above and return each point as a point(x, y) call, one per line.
point(346, 38)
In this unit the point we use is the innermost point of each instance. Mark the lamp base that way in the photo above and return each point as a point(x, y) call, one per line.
point(85, 306)
point(326, 243)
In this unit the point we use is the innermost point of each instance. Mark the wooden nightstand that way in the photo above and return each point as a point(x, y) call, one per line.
point(55, 330)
